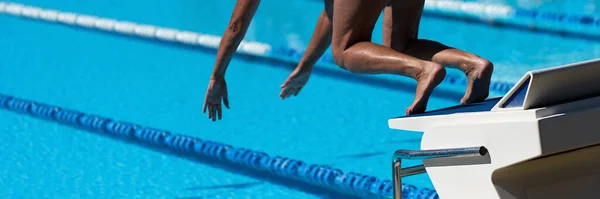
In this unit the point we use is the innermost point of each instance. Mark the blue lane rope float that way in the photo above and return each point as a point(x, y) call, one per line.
point(187, 37)
point(319, 175)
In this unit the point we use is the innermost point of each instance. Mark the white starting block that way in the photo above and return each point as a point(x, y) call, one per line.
point(540, 141)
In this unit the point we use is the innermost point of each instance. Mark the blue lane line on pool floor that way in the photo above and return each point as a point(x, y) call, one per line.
point(320, 176)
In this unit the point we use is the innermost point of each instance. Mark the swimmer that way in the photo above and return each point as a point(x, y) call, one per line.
point(417, 58)
point(238, 25)
point(402, 53)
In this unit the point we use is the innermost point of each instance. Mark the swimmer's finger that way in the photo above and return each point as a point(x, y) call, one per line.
point(208, 107)
point(219, 111)
point(287, 81)
point(287, 93)
point(213, 112)
point(210, 111)
point(204, 109)
point(292, 91)
point(226, 102)
point(282, 91)
point(297, 91)
point(215, 109)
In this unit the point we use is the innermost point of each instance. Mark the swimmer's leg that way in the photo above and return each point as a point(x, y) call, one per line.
point(401, 21)
point(400, 32)
point(353, 23)
point(478, 70)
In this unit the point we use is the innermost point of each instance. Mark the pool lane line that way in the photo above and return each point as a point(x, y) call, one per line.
point(189, 38)
point(510, 14)
point(504, 16)
point(559, 24)
point(333, 179)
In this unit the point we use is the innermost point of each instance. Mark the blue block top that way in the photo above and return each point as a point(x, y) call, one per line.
point(484, 106)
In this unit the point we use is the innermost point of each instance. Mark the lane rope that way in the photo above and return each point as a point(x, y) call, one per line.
point(580, 26)
point(513, 14)
point(332, 179)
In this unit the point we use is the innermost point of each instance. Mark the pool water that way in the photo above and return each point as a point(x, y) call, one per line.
point(334, 121)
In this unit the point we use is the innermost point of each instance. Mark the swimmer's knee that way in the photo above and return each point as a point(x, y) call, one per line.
point(483, 63)
point(479, 64)
point(338, 58)
point(472, 60)
point(341, 59)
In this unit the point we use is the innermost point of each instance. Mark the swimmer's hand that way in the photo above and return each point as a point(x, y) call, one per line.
point(295, 82)
point(217, 91)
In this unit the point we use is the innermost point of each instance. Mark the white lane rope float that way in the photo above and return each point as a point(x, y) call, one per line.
point(129, 28)
point(472, 8)
point(576, 24)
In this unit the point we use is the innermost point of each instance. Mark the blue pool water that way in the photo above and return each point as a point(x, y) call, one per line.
point(334, 121)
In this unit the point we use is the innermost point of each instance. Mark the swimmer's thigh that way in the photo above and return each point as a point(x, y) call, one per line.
point(401, 23)
point(353, 22)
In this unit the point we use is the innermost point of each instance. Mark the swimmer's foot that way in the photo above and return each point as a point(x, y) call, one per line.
point(479, 83)
point(431, 76)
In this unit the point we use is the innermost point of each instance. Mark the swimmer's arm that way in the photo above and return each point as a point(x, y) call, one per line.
point(238, 25)
point(320, 41)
